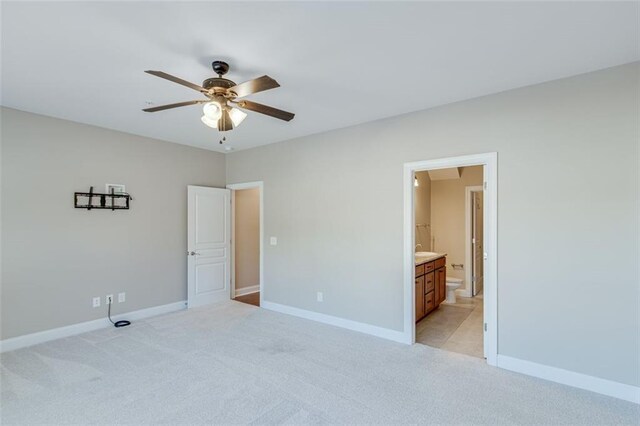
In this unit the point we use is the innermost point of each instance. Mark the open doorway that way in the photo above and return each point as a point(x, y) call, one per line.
point(449, 310)
point(246, 247)
point(450, 254)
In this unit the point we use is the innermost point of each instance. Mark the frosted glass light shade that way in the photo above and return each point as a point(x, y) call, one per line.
point(209, 122)
point(237, 116)
point(212, 110)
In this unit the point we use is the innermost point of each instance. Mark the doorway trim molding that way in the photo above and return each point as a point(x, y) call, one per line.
point(468, 272)
point(490, 162)
point(234, 187)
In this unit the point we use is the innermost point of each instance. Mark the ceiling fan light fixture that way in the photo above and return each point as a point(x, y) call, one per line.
point(213, 123)
point(212, 110)
point(217, 113)
point(237, 116)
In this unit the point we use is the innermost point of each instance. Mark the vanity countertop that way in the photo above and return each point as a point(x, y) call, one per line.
point(428, 257)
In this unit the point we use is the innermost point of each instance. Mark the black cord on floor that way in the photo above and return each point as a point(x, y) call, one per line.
point(122, 323)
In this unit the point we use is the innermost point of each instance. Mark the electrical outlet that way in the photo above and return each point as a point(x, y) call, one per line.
point(121, 297)
point(273, 241)
point(320, 297)
point(109, 299)
point(96, 302)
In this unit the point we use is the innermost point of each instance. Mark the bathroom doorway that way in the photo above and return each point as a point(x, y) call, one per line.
point(247, 243)
point(451, 254)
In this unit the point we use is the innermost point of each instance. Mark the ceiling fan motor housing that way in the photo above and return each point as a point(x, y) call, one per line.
point(218, 82)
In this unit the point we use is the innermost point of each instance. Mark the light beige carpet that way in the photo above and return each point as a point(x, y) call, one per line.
point(236, 364)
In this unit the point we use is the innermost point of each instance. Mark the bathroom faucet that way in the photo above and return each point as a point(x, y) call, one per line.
point(418, 245)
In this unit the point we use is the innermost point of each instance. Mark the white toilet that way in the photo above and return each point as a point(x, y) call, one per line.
point(452, 285)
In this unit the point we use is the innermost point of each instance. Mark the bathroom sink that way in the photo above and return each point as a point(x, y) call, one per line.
point(426, 254)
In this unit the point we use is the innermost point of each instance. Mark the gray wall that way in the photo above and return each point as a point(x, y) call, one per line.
point(568, 196)
point(56, 258)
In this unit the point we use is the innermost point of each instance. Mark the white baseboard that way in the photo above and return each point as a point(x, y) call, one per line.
point(385, 333)
point(571, 378)
point(83, 327)
point(247, 290)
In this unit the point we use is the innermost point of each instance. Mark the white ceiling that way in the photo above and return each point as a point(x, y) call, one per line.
point(339, 64)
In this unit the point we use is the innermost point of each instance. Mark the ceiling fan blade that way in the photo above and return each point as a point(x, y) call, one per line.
point(256, 85)
point(224, 122)
point(177, 80)
point(169, 106)
point(267, 110)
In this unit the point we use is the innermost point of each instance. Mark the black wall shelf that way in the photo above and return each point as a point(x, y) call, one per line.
point(93, 200)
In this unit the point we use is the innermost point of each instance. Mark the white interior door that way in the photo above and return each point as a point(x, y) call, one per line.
point(477, 242)
point(208, 245)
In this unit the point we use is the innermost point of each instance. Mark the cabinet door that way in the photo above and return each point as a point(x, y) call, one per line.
point(441, 283)
point(419, 298)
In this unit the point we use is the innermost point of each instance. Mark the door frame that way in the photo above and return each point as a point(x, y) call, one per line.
point(490, 162)
point(468, 273)
point(234, 187)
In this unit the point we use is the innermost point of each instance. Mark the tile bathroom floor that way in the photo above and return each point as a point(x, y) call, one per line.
point(455, 327)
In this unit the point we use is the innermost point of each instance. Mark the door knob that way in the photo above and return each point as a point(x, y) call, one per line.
point(193, 253)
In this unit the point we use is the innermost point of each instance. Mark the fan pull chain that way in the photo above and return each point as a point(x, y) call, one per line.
point(224, 138)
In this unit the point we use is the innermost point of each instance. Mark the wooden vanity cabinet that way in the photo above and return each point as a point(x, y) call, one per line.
point(419, 297)
point(431, 286)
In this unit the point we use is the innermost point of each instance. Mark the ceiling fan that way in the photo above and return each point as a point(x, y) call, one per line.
point(222, 109)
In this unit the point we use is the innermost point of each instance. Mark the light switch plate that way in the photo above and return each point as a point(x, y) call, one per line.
point(273, 241)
